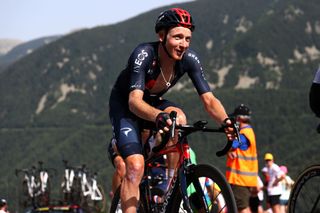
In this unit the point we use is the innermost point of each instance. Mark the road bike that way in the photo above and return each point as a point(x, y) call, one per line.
point(36, 185)
point(305, 194)
point(216, 197)
point(67, 183)
point(81, 188)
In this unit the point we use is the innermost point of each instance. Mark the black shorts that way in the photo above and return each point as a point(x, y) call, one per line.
point(273, 199)
point(127, 126)
point(242, 195)
point(254, 203)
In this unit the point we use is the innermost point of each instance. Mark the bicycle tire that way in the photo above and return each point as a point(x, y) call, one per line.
point(116, 206)
point(217, 178)
point(305, 194)
point(44, 197)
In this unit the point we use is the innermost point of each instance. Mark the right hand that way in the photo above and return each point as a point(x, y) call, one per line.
point(163, 122)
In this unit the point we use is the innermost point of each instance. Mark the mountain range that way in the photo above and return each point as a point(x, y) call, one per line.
point(54, 101)
point(13, 50)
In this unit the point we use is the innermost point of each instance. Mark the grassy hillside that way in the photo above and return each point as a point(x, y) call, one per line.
point(54, 101)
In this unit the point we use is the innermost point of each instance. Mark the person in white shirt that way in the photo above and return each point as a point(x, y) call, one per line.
point(286, 185)
point(274, 188)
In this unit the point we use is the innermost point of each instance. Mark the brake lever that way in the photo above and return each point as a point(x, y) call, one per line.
point(173, 117)
point(229, 143)
point(165, 139)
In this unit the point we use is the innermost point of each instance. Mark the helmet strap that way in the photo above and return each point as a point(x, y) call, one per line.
point(163, 43)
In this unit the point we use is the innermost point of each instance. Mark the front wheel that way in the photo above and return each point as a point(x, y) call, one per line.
point(208, 191)
point(305, 194)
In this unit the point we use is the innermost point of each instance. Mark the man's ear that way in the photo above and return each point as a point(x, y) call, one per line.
point(161, 35)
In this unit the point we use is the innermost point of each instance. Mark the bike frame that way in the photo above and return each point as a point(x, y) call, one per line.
point(184, 165)
point(68, 180)
point(89, 186)
point(32, 184)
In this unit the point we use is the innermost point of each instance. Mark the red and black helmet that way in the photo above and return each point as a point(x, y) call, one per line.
point(174, 17)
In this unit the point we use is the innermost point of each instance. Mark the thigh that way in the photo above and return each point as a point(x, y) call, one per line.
point(126, 130)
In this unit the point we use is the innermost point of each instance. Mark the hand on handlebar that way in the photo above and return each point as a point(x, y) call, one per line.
point(230, 128)
point(163, 122)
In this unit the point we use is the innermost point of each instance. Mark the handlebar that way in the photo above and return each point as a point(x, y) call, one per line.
point(197, 126)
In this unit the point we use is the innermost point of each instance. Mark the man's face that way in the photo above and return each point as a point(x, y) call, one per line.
point(178, 41)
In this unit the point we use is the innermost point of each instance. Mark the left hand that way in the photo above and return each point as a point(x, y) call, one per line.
point(229, 129)
point(232, 154)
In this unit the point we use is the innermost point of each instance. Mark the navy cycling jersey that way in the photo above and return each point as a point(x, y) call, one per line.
point(143, 69)
point(141, 73)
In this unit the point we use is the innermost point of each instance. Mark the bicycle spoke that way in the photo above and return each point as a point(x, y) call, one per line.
point(207, 192)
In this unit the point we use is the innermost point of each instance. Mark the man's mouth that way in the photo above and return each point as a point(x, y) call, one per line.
point(179, 52)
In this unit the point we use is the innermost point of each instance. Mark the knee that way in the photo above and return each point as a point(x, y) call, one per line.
point(181, 117)
point(134, 168)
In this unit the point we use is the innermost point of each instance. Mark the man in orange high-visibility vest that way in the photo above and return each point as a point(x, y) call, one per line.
point(242, 160)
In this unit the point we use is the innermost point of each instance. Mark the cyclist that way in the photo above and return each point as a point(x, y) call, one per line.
point(152, 69)
point(118, 164)
point(314, 96)
point(242, 160)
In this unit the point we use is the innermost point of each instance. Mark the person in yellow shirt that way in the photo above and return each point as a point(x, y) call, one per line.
point(242, 160)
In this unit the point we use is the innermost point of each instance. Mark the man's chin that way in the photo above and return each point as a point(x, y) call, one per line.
point(178, 57)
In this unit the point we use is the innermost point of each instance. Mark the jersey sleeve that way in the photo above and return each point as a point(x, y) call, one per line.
point(138, 64)
point(317, 77)
point(193, 66)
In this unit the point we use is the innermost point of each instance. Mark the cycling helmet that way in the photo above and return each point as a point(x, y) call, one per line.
point(241, 110)
point(3, 202)
point(174, 17)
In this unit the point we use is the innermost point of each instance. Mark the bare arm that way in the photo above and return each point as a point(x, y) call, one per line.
point(214, 107)
point(216, 110)
point(140, 108)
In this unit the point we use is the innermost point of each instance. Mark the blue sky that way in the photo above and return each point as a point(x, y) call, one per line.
point(30, 19)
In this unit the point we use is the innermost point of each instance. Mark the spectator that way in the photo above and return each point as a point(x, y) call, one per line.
point(256, 198)
point(274, 189)
point(286, 185)
point(3, 206)
point(242, 161)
